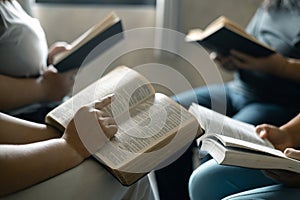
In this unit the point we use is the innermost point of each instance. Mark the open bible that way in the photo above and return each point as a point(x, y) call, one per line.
point(231, 142)
point(222, 35)
point(152, 127)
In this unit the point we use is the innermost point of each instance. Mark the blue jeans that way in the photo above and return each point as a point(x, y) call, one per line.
point(224, 99)
point(213, 181)
point(173, 180)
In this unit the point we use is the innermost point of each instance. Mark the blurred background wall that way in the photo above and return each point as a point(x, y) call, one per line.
point(65, 22)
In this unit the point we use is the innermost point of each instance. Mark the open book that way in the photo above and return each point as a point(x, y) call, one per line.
point(231, 142)
point(151, 126)
point(222, 35)
point(81, 47)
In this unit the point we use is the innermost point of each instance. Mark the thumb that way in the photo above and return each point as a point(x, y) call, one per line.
point(292, 153)
point(262, 130)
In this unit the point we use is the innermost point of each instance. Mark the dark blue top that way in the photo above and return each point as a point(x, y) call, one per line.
point(280, 30)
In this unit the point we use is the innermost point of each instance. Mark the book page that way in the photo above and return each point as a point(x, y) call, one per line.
point(149, 125)
point(129, 88)
point(216, 123)
point(236, 143)
point(248, 158)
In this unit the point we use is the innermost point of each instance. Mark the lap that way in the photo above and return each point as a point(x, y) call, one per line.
point(89, 180)
point(260, 112)
point(213, 181)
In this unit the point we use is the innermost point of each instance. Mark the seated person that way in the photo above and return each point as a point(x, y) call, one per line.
point(25, 78)
point(212, 181)
point(264, 90)
point(31, 153)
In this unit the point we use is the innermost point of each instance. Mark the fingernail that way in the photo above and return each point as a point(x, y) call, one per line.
point(263, 131)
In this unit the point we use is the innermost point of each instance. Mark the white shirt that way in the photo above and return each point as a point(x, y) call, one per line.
point(23, 45)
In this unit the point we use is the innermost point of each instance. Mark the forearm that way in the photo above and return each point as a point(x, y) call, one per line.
point(42, 161)
point(17, 131)
point(17, 92)
point(288, 68)
point(293, 71)
point(292, 128)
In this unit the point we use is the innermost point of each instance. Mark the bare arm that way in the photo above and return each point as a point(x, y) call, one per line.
point(18, 92)
point(42, 161)
point(284, 137)
point(293, 129)
point(287, 135)
point(23, 132)
point(274, 64)
point(27, 164)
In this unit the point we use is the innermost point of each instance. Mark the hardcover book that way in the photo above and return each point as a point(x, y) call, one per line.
point(151, 126)
point(235, 143)
point(81, 47)
point(222, 35)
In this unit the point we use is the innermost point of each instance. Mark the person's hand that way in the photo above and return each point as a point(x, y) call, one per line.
point(277, 136)
point(56, 85)
point(55, 49)
point(274, 62)
point(286, 177)
point(91, 128)
point(223, 61)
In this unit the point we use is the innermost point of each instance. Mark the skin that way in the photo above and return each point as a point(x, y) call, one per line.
point(15, 92)
point(274, 64)
point(284, 138)
point(42, 151)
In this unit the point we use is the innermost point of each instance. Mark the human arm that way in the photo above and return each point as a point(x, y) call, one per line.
point(287, 135)
point(18, 92)
point(27, 164)
point(283, 137)
point(274, 64)
point(23, 132)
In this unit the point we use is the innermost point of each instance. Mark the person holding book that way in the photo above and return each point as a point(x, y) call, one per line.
point(27, 80)
point(32, 153)
point(264, 89)
point(282, 185)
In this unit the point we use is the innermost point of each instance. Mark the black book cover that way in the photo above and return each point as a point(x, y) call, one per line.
point(76, 58)
point(223, 40)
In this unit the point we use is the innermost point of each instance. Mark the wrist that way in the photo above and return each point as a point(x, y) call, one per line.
point(73, 140)
point(290, 137)
point(280, 67)
point(75, 153)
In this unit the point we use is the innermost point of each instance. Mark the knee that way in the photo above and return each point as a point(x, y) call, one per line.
point(199, 184)
point(195, 186)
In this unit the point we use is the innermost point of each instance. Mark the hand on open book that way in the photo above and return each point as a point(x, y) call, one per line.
point(277, 136)
point(286, 177)
point(91, 128)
